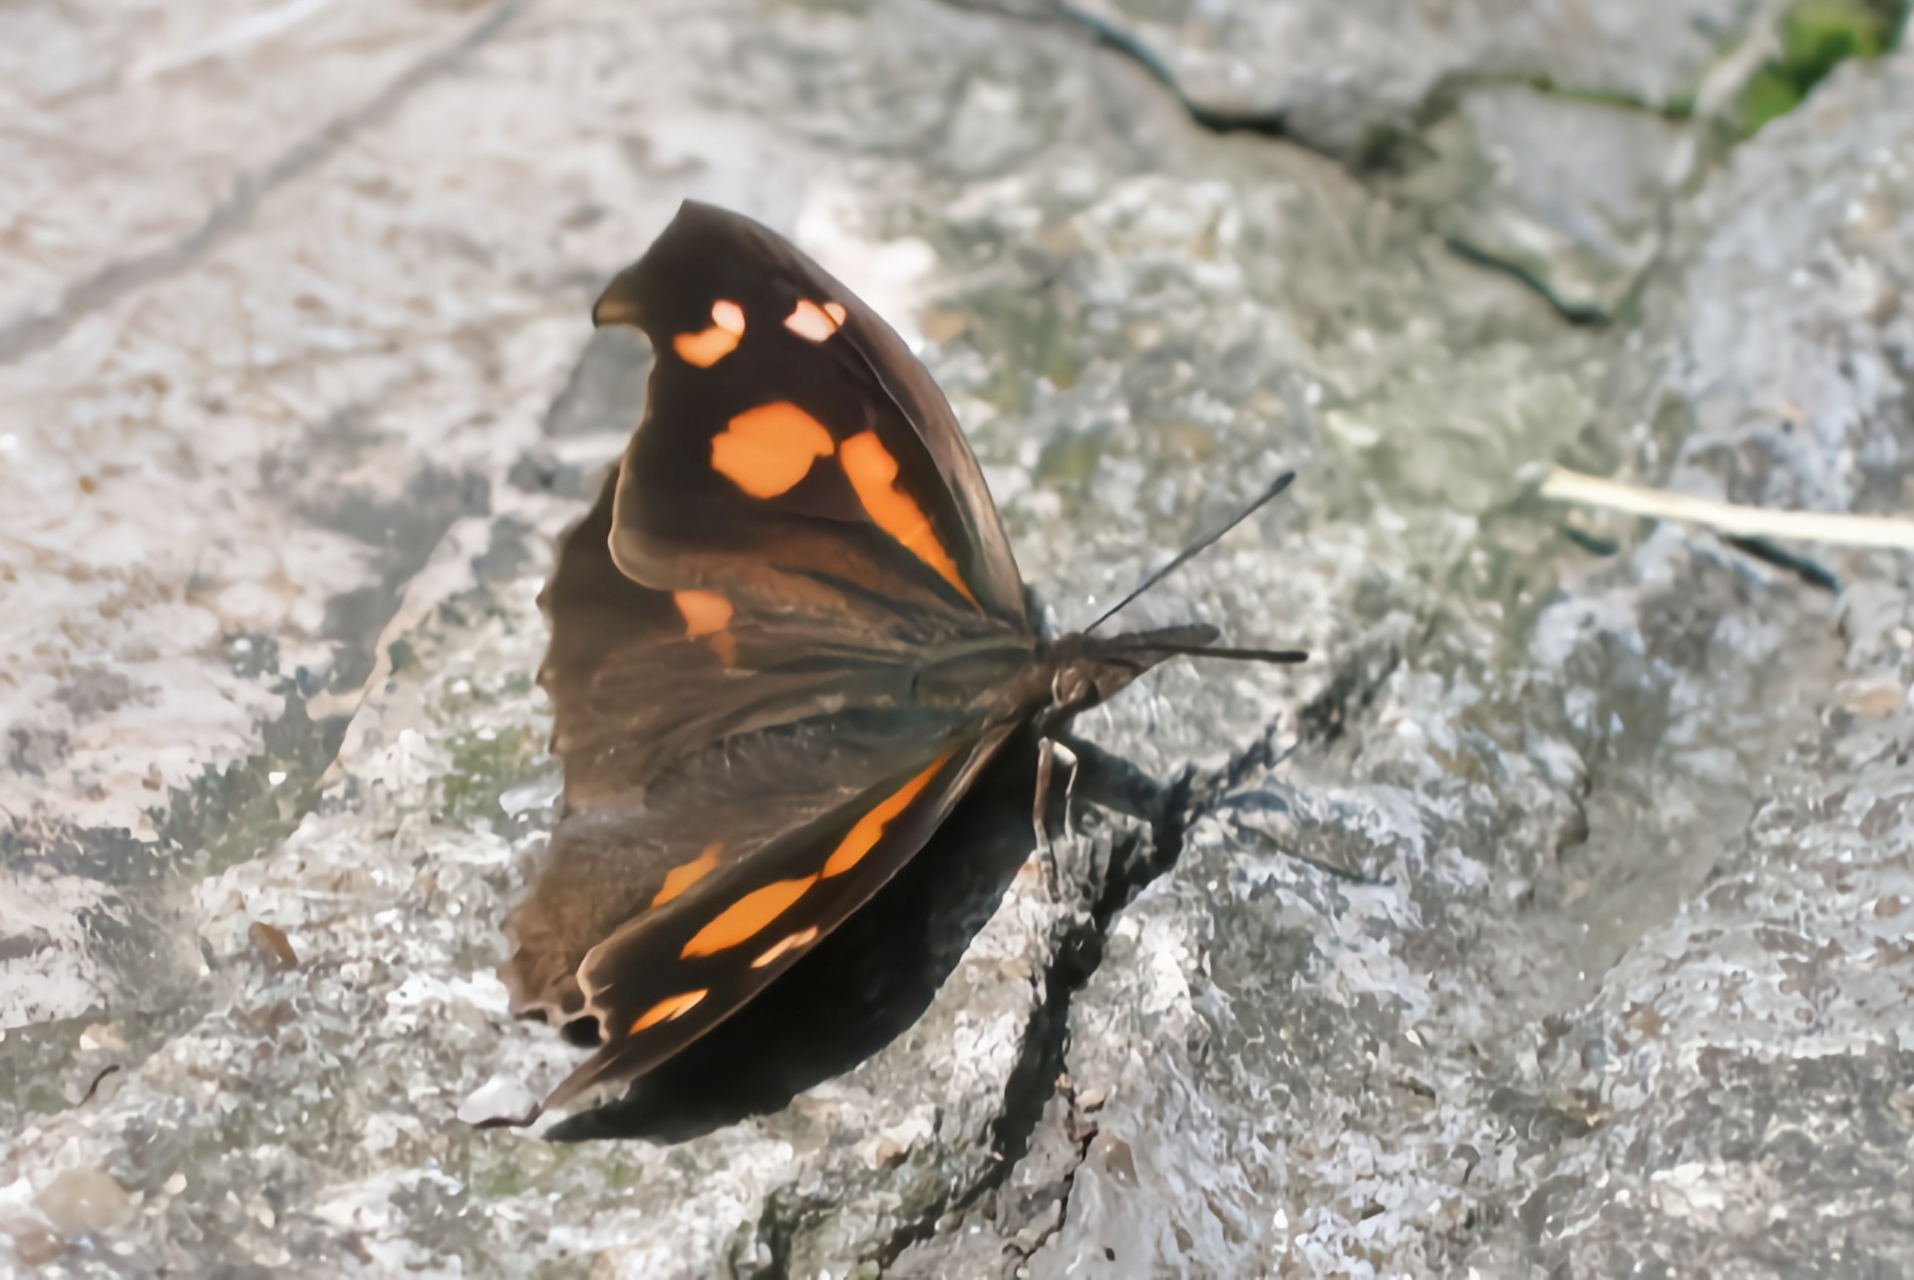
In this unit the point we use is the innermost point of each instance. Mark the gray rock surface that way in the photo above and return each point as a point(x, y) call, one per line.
point(1346, 76)
point(1554, 921)
point(1542, 137)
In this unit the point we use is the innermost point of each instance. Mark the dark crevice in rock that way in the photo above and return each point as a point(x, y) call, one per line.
point(1034, 1079)
point(1676, 109)
point(1135, 858)
point(1031, 1088)
point(1269, 125)
point(1079, 1133)
point(1448, 93)
point(1582, 313)
point(1387, 151)
point(1040, 1082)
point(1380, 154)
point(1132, 864)
point(1806, 568)
point(26, 334)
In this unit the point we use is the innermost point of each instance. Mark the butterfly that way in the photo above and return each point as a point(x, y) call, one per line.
point(784, 642)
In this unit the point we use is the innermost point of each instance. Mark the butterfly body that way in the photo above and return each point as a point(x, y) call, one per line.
point(785, 641)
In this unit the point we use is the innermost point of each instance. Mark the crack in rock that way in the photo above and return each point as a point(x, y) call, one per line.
point(1040, 1101)
point(24, 335)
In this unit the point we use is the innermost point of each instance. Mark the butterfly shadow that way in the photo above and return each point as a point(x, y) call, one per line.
point(866, 983)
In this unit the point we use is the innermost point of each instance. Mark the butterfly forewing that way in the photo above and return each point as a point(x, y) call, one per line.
point(792, 450)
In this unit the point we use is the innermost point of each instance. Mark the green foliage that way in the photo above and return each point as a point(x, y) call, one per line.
point(1816, 36)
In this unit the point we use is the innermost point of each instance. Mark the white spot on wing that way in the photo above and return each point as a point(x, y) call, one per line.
point(810, 321)
point(889, 276)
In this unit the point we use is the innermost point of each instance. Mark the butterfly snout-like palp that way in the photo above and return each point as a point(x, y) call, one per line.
point(1088, 670)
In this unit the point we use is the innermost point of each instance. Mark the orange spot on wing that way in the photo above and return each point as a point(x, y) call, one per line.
point(792, 942)
point(705, 347)
point(873, 473)
point(667, 1009)
point(680, 878)
point(812, 322)
point(765, 451)
point(706, 613)
point(708, 346)
point(747, 917)
point(864, 836)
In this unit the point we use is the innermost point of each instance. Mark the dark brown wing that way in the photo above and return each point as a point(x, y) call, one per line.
point(639, 677)
point(693, 777)
point(794, 454)
point(718, 929)
point(796, 534)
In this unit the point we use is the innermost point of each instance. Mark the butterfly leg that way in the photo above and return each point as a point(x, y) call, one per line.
point(1051, 753)
point(1039, 816)
point(1068, 759)
point(1046, 763)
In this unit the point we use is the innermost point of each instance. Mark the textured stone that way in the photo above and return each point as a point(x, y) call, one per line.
point(1351, 77)
point(1625, 988)
point(1793, 345)
point(1552, 919)
point(1546, 139)
point(1568, 193)
point(82, 1200)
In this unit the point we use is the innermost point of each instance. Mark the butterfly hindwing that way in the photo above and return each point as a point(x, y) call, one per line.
point(709, 811)
point(793, 451)
point(727, 931)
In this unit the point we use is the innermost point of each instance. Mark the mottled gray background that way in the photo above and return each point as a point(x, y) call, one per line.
point(1558, 919)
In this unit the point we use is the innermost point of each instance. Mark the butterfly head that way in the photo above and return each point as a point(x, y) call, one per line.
point(1085, 670)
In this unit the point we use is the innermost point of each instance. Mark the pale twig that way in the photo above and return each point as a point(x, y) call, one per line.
point(1729, 518)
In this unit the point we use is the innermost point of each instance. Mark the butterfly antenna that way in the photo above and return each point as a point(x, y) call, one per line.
point(1188, 553)
point(1238, 655)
